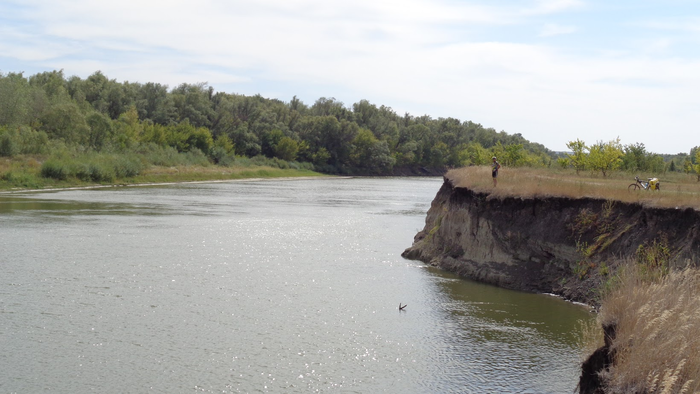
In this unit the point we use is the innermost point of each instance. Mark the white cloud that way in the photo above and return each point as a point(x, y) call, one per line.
point(551, 29)
point(685, 24)
point(553, 6)
point(417, 56)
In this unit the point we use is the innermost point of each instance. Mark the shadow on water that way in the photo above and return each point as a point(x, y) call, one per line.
point(504, 340)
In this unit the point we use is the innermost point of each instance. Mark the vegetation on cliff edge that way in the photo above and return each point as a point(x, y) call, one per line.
point(652, 318)
point(677, 190)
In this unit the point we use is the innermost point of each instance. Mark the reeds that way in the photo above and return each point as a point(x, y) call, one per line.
point(656, 348)
point(677, 190)
point(99, 168)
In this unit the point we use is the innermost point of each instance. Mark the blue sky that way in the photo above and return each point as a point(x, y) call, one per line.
point(551, 70)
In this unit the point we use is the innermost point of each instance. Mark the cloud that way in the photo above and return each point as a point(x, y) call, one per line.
point(553, 6)
point(689, 24)
point(550, 30)
point(469, 60)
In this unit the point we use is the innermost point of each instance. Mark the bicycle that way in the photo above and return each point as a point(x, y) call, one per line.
point(650, 184)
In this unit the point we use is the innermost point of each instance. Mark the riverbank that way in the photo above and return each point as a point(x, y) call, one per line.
point(538, 235)
point(561, 245)
point(647, 340)
point(26, 175)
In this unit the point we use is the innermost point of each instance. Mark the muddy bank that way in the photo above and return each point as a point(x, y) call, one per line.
point(557, 245)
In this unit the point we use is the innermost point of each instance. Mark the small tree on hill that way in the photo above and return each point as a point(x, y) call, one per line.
point(605, 157)
point(578, 157)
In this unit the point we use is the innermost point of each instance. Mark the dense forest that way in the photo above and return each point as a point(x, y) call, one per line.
point(47, 111)
point(50, 115)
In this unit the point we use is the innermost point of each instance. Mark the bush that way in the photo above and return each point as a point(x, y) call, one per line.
point(80, 171)
point(196, 157)
point(125, 167)
point(55, 169)
point(21, 180)
point(8, 145)
point(101, 172)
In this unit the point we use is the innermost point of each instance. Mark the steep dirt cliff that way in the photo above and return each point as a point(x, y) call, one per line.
point(547, 244)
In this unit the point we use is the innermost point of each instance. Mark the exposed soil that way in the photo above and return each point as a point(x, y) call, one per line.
point(554, 245)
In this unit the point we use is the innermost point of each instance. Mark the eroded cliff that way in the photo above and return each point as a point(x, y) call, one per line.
point(546, 244)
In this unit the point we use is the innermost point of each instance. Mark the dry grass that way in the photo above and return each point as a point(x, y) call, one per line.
point(677, 190)
point(657, 343)
point(25, 163)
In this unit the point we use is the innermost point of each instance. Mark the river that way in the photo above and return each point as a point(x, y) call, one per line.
point(259, 286)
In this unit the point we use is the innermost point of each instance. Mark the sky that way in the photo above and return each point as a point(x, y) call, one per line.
point(551, 70)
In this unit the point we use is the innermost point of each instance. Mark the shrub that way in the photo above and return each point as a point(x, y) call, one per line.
point(8, 145)
point(55, 169)
point(21, 179)
point(653, 258)
point(101, 172)
point(125, 167)
point(195, 157)
point(222, 157)
point(80, 171)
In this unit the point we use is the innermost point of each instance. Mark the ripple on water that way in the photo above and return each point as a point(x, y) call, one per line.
point(259, 287)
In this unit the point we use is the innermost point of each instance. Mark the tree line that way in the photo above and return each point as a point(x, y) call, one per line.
point(47, 111)
point(607, 157)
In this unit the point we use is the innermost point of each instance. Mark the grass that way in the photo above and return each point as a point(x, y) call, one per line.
point(657, 339)
point(677, 190)
point(25, 172)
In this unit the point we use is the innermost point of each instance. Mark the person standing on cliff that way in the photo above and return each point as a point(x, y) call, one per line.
point(494, 171)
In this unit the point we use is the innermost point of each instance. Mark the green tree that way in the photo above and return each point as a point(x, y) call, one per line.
point(498, 150)
point(406, 153)
point(439, 154)
point(477, 154)
point(635, 158)
point(286, 149)
point(200, 138)
point(270, 140)
point(193, 102)
point(578, 157)
point(128, 129)
point(563, 162)
point(655, 163)
point(8, 143)
point(100, 130)
point(154, 103)
point(67, 123)
point(14, 99)
point(605, 157)
point(224, 142)
point(155, 133)
point(370, 154)
point(514, 155)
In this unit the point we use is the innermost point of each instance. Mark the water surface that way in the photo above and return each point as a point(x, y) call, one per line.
point(258, 286)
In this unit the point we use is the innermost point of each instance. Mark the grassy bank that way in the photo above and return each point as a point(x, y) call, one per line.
point(649, 304)
point(677, 190)
point(38, 172)
point(655, 326)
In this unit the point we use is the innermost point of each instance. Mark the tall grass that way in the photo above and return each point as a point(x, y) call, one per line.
point(677, 190)
point(656, 348)
point(93, 167)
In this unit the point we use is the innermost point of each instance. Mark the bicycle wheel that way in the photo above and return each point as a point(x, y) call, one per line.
point(633, 188)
